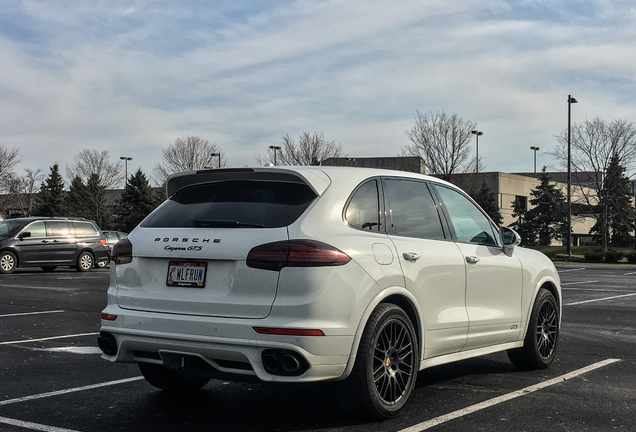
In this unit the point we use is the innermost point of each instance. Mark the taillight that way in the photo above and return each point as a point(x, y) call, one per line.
point(295, 253)
point(122, 252)
point(103, 242)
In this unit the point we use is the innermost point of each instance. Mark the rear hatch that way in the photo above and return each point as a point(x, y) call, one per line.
point(189, 255)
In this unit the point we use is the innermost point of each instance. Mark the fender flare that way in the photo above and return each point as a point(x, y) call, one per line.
point(375, 301)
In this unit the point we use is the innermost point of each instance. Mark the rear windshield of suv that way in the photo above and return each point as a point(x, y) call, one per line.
point(234, 204)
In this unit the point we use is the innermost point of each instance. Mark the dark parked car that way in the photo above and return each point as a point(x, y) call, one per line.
point(112, 237)
point(51, 242)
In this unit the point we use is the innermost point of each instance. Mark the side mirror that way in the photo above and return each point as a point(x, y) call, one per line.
point(24, 234)
point(509, 238)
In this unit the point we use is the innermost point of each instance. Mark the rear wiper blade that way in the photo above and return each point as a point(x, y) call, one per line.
point(214, 223)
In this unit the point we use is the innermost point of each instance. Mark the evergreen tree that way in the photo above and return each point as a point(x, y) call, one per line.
point(97, 208)
point(77, 199)
point(548, 217)
point(488, 201)
point(52, 195)
point(524, 228)
point(136, 202)
point(617, 218)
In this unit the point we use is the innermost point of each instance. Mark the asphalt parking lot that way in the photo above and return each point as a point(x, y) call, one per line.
point(52, 377)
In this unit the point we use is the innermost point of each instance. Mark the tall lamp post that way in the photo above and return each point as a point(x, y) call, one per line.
point(533, 148)
point(219, 156)
point(275, 148)
point(571, 100)
point(126, 159)
point(477, 135)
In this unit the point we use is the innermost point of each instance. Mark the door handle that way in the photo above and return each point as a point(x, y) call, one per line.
point(410, 256)
point(472, 259)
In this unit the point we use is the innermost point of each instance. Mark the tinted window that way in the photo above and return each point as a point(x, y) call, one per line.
point(363, 210)
point(111, 237)
point(36, 229)
point(413, 210)
point(84, 229)
point(234, 204)
point(58, 228)
point(469, 223)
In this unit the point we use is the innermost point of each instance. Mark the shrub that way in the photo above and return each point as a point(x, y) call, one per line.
point(631, 257)
point(613, 256)
point(594, 256)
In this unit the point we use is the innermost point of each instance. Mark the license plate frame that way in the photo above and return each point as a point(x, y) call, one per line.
point(186, 274)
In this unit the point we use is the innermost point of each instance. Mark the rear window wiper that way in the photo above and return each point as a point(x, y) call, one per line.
point(215, 223)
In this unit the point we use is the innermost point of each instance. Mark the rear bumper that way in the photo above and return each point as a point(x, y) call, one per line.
point(230, 346)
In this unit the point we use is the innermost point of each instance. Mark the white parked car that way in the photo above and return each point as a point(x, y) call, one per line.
point(300, 274)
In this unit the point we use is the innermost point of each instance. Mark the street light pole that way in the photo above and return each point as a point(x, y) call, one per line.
point(571, 100)
point(275, 148)
point(219, 155)
point(535, 159)
point(477, 135)
point(126, 159)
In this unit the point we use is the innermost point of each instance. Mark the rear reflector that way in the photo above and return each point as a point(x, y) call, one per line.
point(109, 317)
point(122, 252)
point(288, 332)
point(295, 253)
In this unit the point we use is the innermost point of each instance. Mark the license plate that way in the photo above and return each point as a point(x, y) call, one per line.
point(186, 274)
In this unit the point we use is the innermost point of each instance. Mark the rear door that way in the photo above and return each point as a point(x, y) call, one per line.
point(433, 267)
point(63, 242)
point(189, 256)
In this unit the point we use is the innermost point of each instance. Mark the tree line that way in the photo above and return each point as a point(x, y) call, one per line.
point(443, 141)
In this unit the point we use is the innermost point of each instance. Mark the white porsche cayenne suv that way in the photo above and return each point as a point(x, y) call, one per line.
point(301, 274)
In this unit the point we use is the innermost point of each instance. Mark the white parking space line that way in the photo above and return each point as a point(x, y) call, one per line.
point(578, 283)
point(597, 300)
point(30, 313)
point(630, 273)
point(595, 289)
point(495, 401)
point(33, 426)
point(71, 390)
point(571, 270)
point(47, 338)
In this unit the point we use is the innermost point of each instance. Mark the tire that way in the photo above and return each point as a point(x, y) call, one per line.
point(48, 268)
point(542, 338)
point(165, 379)
point(387, 363)
point(85, 262)
point(8, 262)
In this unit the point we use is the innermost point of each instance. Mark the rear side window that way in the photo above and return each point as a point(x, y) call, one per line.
point(234, 204)
point(84, 229)
point(363, 211)
point(413, 210)
point(58, 228)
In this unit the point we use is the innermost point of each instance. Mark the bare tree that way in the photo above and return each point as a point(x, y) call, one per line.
point(23, 190)
point(187, 154)
point(311, 149)
point(442, 141)
point(88, 162)
point(593, 144)
point(8, 160)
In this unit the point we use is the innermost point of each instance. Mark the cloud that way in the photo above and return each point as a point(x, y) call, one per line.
point(129, 77)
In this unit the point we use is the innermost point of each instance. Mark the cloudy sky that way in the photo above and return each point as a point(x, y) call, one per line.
point(131, 76)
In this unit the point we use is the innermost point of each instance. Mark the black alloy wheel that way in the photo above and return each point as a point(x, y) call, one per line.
point(542, 338)
point(387, 363)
